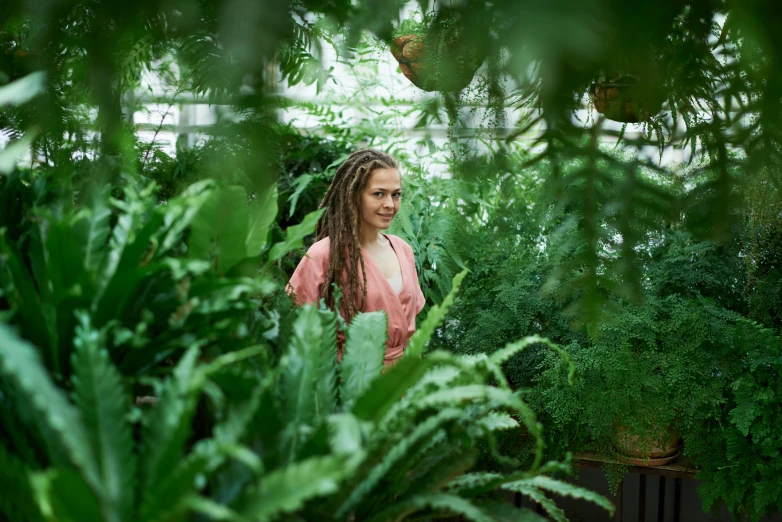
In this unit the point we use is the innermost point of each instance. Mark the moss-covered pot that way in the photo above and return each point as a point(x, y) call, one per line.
point(450, 68)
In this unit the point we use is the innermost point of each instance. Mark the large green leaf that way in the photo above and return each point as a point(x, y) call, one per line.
point(19, 362)
point(326, 377)
point(130, 245)
point(287, 489)
point(263, 210)
point(92, 228)
point(100, 395)
point(294, 235)
point(23, 90)
point(168, 426)
point(179, 213)
point(219, 229)
point(365, 349)
point(300, 373)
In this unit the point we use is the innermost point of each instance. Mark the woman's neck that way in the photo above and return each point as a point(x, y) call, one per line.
point(368, 236)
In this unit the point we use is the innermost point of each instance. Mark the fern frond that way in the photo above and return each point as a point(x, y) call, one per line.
point(167, 427)
point(326, 380)
point(300, 373)
point(433, 319)
point(496, 420)
point(20, 363)
point(504, 354)
point(287, 489)
point(470, 481)
point(556, 513)
point(100, 396)
point(421, 433)
point(436, 503)
point(92, 228)
point(564, 489)
point(362, 361)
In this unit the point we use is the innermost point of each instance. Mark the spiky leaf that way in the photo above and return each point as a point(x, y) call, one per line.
point(286, 489)
point(167, 427)
point(433, 319)
point(19, 362)
point(100, 395)
point(365, 348)
point(436, 503)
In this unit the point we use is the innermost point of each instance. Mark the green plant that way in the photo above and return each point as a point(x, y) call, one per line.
point(299, 437)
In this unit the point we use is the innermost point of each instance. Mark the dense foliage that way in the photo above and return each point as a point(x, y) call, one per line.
point(123, 277)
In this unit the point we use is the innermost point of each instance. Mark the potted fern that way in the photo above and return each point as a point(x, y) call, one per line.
point(436, 53)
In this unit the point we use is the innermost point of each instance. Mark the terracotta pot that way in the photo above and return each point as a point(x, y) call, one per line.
point(653, 446)
point(618, 101)
point(416, 62)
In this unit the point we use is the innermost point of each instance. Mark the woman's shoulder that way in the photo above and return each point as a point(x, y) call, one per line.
point(320, 249)
point(398, 241)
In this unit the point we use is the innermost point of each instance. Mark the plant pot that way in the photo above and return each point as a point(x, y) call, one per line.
point(651, 449)
point(419, 63)
point(621, 101)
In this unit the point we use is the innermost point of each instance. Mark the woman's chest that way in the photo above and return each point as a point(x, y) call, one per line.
point(385, 260)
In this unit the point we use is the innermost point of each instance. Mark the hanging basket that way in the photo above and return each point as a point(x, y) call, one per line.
point(418, 62)
point(620, 101)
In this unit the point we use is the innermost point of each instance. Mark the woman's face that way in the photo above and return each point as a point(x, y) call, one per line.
point(380, 199)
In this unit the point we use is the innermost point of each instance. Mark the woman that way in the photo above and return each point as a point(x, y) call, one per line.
point(376, 271)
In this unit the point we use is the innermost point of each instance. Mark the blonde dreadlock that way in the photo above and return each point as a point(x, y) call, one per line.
point(341, 223)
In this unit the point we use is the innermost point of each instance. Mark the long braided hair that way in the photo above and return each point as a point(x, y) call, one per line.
point(341, 223)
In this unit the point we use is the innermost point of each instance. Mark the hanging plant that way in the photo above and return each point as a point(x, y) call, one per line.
point(435, 54)
point(621, 98)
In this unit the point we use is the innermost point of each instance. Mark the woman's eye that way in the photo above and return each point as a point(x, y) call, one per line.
point(396, 196)
point(378, 194)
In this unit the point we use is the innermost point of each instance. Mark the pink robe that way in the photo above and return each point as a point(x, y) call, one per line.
point(400, 309)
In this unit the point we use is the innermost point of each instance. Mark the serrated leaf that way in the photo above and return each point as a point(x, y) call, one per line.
point(168, 426)
point(300, 374)
point(19, 362)
point(433, 319)
point(437, 502)
point(564, 489)
point(287, 489)
point(422, 433)
point(92, 229)
point(100, 395)
point(365, 349)
point(499, 421)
